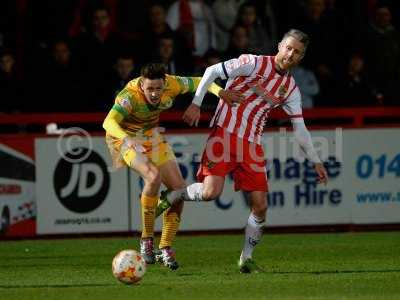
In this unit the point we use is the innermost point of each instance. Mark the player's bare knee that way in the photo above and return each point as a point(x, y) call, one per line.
point(260, 209)
point(153, 177)
point(211, 193)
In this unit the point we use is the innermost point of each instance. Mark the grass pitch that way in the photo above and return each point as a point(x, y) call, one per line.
point(300, 266)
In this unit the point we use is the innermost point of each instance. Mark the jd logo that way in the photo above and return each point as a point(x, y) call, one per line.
point(83, 186)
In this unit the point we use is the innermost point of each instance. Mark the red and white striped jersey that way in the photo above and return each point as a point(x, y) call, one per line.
point(263, 89)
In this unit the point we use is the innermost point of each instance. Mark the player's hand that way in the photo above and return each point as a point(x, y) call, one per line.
point(230, 97)
point(192, 115)
point(133, 144)
point(321, 172)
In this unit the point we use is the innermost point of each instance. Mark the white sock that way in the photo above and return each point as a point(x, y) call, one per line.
point(253, 234)
point(193, 192)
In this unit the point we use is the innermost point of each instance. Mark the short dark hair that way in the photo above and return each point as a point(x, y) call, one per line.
point(298, 35)
point(153, 71)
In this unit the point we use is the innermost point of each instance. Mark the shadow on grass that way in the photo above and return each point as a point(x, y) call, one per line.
point(47, 265)
point(38, 257)
point(336, 272)
point(36, 286)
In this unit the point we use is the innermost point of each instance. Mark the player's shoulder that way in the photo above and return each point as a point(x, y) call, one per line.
point(255, 60)
point(248, 58)
point(173, 82)
point(245, 63)
point(133, 84)
point(172, 78)
point(131, 91)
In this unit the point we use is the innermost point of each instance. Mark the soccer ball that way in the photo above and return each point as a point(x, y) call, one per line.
point(128, 266)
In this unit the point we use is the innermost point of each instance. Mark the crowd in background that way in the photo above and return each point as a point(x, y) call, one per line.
point(76, 55)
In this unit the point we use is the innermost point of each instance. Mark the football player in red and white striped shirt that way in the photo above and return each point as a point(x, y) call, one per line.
point(234, 145)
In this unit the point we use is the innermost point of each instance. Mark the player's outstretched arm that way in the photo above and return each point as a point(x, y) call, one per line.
point(303, 137)
point(192, 113)
point(242, 66)
point(111, 124)
point(112, 127)
point(230, 97)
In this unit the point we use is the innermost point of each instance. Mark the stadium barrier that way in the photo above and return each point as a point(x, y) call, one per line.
point(64, 183)
point(344, 117)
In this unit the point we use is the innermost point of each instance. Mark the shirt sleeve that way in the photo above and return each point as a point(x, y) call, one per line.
point(303, 138)
point(111, 124)
point(187, 84)
point(123, 103)
point(242, 66)
point(292, 106)
point(190, 84)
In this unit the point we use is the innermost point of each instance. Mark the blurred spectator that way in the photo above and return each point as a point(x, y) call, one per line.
point(259, 40)
point(195, 21)
point(325, 54)
point(308, 85)
point(83, 15)
point(44, 22)
point(225, 13)
point(165, 53)
point(239, 43)
point(124, 71)
point(101, 29)
point(10, 93)
point(356, 89)
point(157, 27)
point(97, 48)
point(382, 54)
point(58, 87)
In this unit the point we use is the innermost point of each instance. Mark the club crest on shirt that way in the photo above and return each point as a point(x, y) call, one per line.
point(125, 103)
point(210, 164)
point(282, 91)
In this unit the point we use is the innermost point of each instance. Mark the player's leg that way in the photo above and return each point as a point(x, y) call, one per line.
point(253, 168)
point(152, 182)
point(253, 231)
point(214, 166)
point(172, 178)
point(210, 189)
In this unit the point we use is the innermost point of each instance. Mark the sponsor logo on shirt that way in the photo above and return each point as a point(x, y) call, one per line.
point(282, 91)
point(184, 81)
